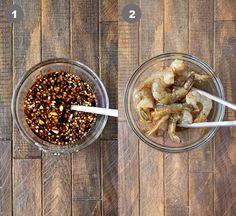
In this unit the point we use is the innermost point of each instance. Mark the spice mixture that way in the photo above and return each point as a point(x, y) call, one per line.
point(47, 108)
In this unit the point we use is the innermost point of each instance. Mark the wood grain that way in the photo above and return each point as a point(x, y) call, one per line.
point(108, 10)
point(110, 177)
point(176, 165)
point(56, 171)
point(5, 178)
point(151, 29)
point(85, 48)
point(225, 9)
point(109, 71)
point(128, 59)
point(128, 144)
point(201, 44)
point(176, 26)
point(27, 187)
point(151, 160)
point(128, 171)
point(56, 177)
point(87, 207)
point(225, 146)
point(201, 194)
point(27, 53)
point(85, 32)
point(151, 181)
point(56, 29)
point(86, 173)
point(109, 74)
point(5, 115)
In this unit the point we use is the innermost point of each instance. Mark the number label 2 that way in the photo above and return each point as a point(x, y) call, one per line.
point(132, 14)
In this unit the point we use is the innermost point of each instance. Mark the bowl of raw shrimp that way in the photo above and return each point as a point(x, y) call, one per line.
point(162, 95)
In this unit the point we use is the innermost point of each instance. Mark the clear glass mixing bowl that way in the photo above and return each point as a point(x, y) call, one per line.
point(191, 138)
point(29, 78)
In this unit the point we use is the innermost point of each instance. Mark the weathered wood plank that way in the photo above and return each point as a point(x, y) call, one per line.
point(201, 194)
point(109, 71)
point(56, 29)
point(108, 10)
point(151, 160)
point(56, 177)
point(86, 173)
point(110, 177)
point(5, 115)
point(56, 171)
point(128, 59)
point(85, 32)
point(225, 10)
point(128, 144)
point(85, 48)
point(5, 178)
point(176, 165)
point(225, 146)
point(27, 53)
point(201, 44)
point(87, 207)
point(128, 53)
point(151, 181)
point(176, 26)
point(151, 29)
point(128, 171)
point(176, 180)
point(201, 29)
point(27, 187)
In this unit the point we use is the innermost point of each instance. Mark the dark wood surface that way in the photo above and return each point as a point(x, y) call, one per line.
point(83, 183)
point(201, 182)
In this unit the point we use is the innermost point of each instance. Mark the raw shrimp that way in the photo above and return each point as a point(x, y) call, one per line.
point(172, 127)
point(144, 102)
point(158, 124)
point(198, 77)
point(177, 65)
point(163, 110)
point(164, 76)
point(186, 118)
point(194, 98)
point(180, 92)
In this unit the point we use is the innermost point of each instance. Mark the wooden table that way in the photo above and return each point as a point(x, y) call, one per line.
point(32, 183)
point(203, 181)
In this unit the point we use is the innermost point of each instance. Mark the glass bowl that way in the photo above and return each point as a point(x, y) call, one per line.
point(29, 78)
point(191, 138)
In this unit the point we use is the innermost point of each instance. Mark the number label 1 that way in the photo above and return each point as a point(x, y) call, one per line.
point(14, 14)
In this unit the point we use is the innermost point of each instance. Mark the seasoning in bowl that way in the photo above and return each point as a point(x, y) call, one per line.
point(166, 99)
point(47, 107)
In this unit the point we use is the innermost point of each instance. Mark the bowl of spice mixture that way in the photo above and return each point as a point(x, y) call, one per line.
point(41, 106)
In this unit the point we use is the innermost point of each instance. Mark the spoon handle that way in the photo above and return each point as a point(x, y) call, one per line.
point(209, 124)
point(96, 110)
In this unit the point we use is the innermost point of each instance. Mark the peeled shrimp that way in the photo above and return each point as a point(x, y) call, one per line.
point(159, 82)
point(194, 98)
point(180, 92)
point(158, 124)
point(145, 102)
point(186, 118)
point(177, 65)
point(163, 110)
point(172, 128)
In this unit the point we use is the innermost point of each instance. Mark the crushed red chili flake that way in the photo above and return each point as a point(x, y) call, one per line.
point(47, 107)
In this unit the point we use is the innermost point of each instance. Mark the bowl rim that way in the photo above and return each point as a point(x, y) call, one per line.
point(62, 149)
point(160, 147)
